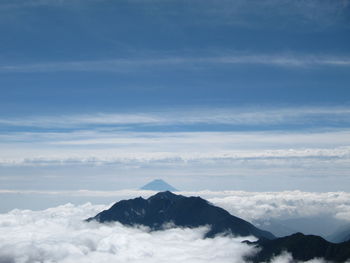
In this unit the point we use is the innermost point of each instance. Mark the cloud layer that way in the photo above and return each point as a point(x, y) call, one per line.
point(59, 235)
point(250, 206)
point(267, 205)
point(236, 143)
point(235, 154)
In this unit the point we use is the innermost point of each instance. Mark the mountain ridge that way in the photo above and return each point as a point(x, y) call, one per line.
point(301, 247)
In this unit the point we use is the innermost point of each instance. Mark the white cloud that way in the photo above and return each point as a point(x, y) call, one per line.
point(116, 147)
point(192, 116)
point(59, 235)
point(304, 157)
point(109, 140)
point(283, 258)
point(287, 258)
point(270, 155)
point(247, 205)
point(130, 65)
point(266, 205)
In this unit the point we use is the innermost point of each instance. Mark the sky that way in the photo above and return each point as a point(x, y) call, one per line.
point(219, 95)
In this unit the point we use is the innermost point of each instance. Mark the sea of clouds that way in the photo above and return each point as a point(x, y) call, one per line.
point(60, 234)
point(266, 205)
point(245, 204)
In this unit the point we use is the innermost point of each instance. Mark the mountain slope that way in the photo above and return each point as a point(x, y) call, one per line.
point(274, 226)
point(165, 207)
point(302, 247)
point(321, 225)
point(341, 235)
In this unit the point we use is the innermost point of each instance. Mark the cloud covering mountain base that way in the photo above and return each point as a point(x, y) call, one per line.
point(60, 235)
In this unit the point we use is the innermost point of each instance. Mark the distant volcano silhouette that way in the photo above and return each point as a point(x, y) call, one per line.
point(158, 185)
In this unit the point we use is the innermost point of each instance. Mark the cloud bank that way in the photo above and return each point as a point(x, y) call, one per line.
point(59, 235)
point(266, 205)
point(149, 137)
point(235, 143)
point(247, 205)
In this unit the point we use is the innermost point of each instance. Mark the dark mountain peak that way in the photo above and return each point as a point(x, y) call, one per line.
point(165, 195)
point(158, 185)
point(300, 237)
point(302, 248)
point(182, 211)
point(297, 235)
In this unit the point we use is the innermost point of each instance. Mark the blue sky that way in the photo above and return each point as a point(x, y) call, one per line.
point(102, 94)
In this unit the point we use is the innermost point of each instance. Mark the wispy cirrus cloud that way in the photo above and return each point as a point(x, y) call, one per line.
point(219, 153)
point(291, 156)
point(20, 4)
point(119, 139)
point(211, 116)
point(223, 12)
point(194, 63)
point(118, 143)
